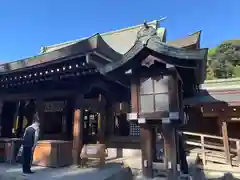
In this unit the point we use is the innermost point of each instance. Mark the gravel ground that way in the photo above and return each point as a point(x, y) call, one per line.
point(13, 172)
point(197, 174)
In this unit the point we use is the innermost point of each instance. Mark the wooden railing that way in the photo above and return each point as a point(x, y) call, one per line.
point(211, 148)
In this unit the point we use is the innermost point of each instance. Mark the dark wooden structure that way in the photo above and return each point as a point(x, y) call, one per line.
point(90, 88)
point(213, 131)
point(160, 77)
point(66, 88)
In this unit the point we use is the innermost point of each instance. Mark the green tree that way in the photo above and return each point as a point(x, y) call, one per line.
point(210, 72)
point(223, 59)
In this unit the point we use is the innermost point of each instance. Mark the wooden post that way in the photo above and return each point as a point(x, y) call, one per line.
point(40, 110)
point(1, 107)
point(134, 97)
point(147, 151)
point(223, 119)
point(20, 119)
point(219, 123)
point(15, 120)
point(238, 152)
point(145, 133)
point(203, 151)
point(77, 130)
point(170, 148)
point(169, 131)
point(101, 120)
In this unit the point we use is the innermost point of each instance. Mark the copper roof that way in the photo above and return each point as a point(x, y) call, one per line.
point(92, 44)
point(120, 40)
point(205, 97)
point(188, 41)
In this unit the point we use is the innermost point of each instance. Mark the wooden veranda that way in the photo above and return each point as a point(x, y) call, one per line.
point(212, 133)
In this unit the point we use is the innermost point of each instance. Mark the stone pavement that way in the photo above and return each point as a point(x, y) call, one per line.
point(211, 172)
point(13, 172)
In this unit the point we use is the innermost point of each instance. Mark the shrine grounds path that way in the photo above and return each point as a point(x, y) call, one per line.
point(13, 172)
point(112, 171)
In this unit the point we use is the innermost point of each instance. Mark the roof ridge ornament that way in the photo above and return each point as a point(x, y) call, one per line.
point(145, 33)
point(145, 24)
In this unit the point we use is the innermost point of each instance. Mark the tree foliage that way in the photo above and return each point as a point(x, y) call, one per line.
point(224, 60)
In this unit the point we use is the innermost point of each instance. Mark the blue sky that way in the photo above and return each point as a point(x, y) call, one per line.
point(27, 25)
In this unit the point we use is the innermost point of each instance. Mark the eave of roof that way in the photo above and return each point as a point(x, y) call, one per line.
point(81, 48)
point(217, 91)
point(230, 97)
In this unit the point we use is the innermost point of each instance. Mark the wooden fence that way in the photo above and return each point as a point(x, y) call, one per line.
point(212, 149)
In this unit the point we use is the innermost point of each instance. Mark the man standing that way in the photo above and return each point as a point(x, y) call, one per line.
point(30, 139)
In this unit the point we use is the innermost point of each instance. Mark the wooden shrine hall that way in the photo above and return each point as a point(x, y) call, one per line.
point(86, 92)
point(214, 130)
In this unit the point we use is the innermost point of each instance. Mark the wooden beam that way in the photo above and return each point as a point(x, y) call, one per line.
point(35, 95)
point(212, 110)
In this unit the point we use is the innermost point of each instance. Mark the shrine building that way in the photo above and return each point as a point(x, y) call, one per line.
point(116, 88)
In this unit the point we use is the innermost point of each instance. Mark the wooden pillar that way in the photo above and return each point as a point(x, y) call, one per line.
point(77, 130)
point(147, 151)
point(219, 122)
point(145, 134)
point(15, 120)
point(20, 119)
point(169, 134)
point(101, 120)
point(169, 131)
point(40, 110)
point(1, 107)
point(223, 119)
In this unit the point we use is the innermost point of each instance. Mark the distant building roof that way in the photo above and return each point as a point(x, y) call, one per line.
point(192, 39)
point(217, 91)
point(221, 84)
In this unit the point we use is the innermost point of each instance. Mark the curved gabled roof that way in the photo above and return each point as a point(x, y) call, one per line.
point(150, 44)
point(92, 44)
point(185, 58)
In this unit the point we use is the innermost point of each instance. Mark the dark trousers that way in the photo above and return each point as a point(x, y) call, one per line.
point(26, 159)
